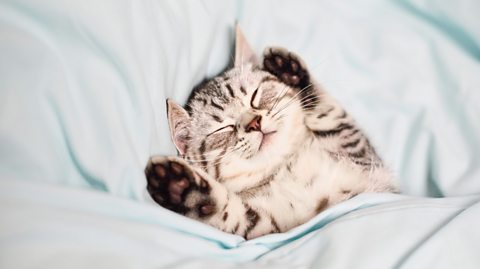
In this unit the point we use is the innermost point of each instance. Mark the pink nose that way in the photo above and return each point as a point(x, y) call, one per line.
point(254, 125)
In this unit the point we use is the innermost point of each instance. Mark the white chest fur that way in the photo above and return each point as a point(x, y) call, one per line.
point(307, 183)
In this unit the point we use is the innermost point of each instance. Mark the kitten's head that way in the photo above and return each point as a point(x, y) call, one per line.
point(243, 121)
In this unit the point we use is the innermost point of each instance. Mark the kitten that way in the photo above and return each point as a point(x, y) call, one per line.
point(263, 148)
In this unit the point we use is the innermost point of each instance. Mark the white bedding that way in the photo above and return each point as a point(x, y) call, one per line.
point(82, 107)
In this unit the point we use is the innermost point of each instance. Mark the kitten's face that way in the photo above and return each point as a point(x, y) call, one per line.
point(243, 121)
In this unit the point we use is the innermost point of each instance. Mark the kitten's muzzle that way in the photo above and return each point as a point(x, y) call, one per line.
point(254, 124)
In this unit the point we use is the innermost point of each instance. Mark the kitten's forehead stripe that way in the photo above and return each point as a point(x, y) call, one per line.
point(230, 90)
point(217, 105)
point(203, 100)
point(242, 89)
point(216, 118)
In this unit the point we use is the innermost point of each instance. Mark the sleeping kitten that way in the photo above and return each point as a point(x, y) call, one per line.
point(263, 148)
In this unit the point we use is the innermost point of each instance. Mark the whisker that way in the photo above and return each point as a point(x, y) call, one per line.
point(210, 152)
point(280, 116)
point(298, 93)
point(302, 101)
point(308, 98)
point(217, 161)
point(278, 98)
point(293, 98)
point(228, 152)
point(202, 159)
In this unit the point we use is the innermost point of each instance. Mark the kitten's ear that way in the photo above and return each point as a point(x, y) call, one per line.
point(243, 52)
point(179, 122)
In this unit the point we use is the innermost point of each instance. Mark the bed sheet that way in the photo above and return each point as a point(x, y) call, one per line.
point(61, 227)
point(82, 107)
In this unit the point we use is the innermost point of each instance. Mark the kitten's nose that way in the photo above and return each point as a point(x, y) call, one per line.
point(254, 125)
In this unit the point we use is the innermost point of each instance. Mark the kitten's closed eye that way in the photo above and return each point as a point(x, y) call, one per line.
point(224, 129)
point(255, 103)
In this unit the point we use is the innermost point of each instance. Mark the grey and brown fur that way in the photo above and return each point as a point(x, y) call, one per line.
point(263, 148)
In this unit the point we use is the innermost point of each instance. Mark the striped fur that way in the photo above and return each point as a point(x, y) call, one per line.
point(304, 155)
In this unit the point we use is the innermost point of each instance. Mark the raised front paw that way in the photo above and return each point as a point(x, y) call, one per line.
point(286, 66)
point(175, 186)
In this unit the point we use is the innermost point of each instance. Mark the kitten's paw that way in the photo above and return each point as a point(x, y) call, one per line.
point(287, 66)
point(175, 186)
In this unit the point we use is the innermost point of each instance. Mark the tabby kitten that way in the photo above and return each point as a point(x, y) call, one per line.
point(263, 148)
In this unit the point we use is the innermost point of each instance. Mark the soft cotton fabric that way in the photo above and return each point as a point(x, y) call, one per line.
point(82, 107)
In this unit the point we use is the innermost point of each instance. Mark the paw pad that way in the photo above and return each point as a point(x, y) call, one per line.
point(286, 66)
point(170, 183)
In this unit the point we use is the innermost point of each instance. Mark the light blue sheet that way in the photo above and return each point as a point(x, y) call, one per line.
point(82, 107)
